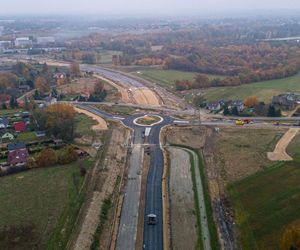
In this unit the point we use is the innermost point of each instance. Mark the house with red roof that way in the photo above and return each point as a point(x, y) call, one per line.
point(17, 153)
point(19, 126)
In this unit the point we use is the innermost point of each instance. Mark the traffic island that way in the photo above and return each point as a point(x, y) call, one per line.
point(148, 120)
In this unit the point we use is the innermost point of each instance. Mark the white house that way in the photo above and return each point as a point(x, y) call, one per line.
point(7, 136)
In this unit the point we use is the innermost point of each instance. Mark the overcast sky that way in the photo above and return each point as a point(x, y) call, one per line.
point(141, 6)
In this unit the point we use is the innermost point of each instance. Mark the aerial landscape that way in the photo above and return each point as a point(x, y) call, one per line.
point(130, 125)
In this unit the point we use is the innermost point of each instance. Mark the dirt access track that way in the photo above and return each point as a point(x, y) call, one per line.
point(279, 153)
point(102, 125)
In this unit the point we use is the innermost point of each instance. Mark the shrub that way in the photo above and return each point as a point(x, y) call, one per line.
point(46, 158)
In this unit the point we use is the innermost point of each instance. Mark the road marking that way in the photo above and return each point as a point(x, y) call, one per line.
point(184, 122)
point(118, 118)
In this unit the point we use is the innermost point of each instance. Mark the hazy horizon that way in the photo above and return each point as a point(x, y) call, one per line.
point(145, 7)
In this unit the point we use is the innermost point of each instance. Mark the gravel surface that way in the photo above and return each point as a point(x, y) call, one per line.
point(182, 207)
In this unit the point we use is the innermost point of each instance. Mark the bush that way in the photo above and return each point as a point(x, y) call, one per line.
point(67, 155)
point(46, 158)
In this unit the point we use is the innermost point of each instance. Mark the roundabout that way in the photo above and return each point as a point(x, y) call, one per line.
point(148, 120)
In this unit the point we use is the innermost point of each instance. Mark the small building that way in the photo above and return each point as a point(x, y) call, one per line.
point(4, 122)
point(17, 154)
point(7, 136)
point(213, 106)
point(20, 126)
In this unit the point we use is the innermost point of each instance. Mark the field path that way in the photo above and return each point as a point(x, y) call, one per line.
point(279, 153)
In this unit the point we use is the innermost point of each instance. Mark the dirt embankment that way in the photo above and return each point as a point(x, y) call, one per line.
point(107, 171)
point(142, 96)
point(279, 153)
point(145, 96)
point(124, 93)
point(102, 125)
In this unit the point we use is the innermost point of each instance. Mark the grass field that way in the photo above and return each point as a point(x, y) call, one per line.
point(293, 147)
point(266, 203)
point(83, 125)
point(106, 56)
point(166, 78)
point(241, 152)
point(262, 90)
point(37, 207)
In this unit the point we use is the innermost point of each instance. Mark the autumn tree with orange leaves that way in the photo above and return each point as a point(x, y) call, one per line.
point(75, 69)
point(251, 101)
point(41, 85)
point(290, 239)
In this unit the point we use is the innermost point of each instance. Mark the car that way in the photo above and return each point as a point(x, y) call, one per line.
point(247, 121)
point(239, 122)
point(152, 220)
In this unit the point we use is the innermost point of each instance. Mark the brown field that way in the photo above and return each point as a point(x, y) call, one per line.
point(182, 205)
point(241, 152)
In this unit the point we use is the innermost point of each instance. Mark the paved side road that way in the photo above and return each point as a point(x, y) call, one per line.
point(129, 216)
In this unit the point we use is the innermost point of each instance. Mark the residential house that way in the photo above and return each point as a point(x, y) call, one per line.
point(17, 153)
point(7, 136)
point(85, 95)
point(49, 100)
point(291, 97)
point(59, 78)
point(59, 75)
point(238, 104)
point(287, 102)
point(213, 106)
point(4, 122)
point(20, 126)
point(24, 88)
